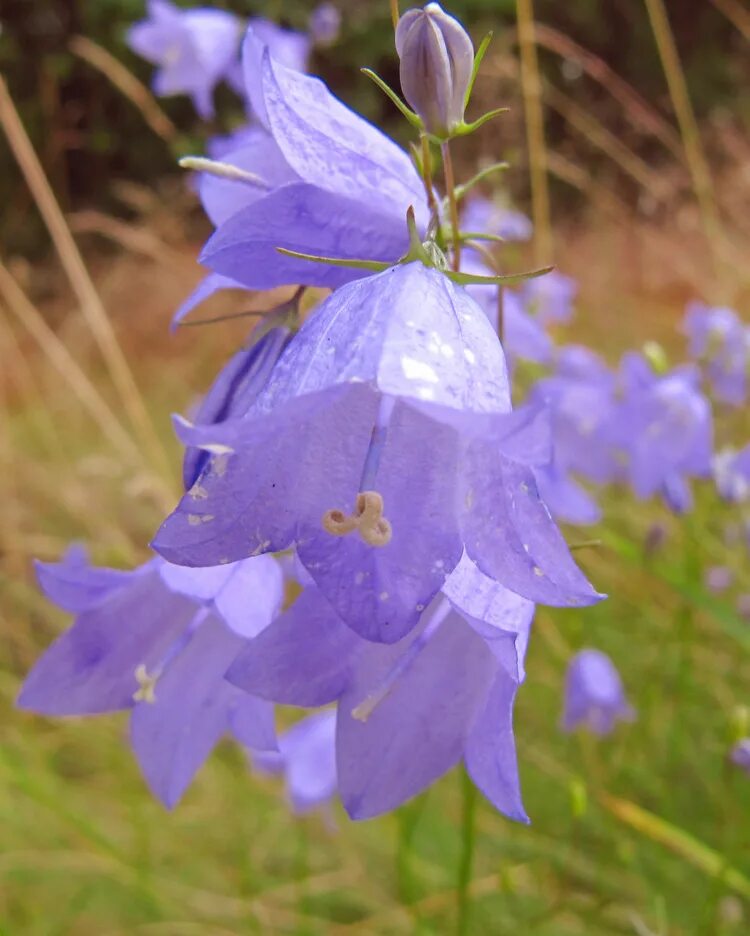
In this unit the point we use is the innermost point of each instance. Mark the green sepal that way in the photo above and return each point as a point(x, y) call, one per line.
point(478, 58)
point(388, 91)
point(464, 129)
point(463, 190)
point(464, 237)
point(472, 279)
point(377, 266)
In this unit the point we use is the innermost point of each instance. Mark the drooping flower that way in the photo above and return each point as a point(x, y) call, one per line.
point(731, 469)
point(158, 641)
point(322, 180)
point(408, 712)
point(307, 760)
point(325, 24)
point(594, 694)
point(581, 400)
point(193, 49)
point(743, 606)
point(382, 446)
point(489, 216)
point(437, 58)
point(663, 431)
point(721, 341)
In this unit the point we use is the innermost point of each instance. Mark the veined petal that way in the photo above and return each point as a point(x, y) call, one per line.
point(304, 658)
point(307, 219)
point(287, 468)
point(510, 535)
point(74, 584)
point(491, 751)
point(210, 284)
point(417, 731)
point(251, 721)
point(174, 735)
point(91, 668)
point(380, 592)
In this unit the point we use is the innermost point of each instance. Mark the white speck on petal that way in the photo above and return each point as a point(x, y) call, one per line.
point(470, 356)
point(418, 370)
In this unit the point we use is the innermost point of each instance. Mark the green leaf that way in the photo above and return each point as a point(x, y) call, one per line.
point(413, 119)
point(483, 46)
point(471, 279)
point(376, 265)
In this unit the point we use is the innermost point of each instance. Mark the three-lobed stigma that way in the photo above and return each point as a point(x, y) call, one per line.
point(367, 519)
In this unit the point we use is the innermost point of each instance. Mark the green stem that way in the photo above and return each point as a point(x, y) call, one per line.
point(395, 15)
point(427, 175)
point(468, 842)
point(450, 191)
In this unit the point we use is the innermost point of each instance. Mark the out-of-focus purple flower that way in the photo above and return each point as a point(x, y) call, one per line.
point(740, 755)
point(594, 694)
point(437, 58)
point(523, 336)
point(718, 578)
point(581, 400)
point(722, 342)
point(550, 298)
point(325, 24)
point(663, 430)
point(307, 760)
point(410, 711)
point(383, 446)
point(193, 49)
point(158, 640)
point(331, 185)
point(488, 216)
point(286, 46)
point(732, 474)
point(743, 606)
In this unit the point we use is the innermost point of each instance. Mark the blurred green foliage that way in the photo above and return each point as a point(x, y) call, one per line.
point(87, 133)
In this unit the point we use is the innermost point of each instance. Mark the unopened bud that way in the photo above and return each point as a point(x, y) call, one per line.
point(437, 58)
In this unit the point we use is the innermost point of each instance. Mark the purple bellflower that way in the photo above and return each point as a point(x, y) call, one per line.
point(580, 396)
point(488, 216)
point(307, 759)
point(193, 49)
point(720, 340)
point(320, 180)
point(437, 59)
point(382, 446)
point(664, 431)
point(594, 695)
point(158, 641)
point(718, 578)
point(409, 711)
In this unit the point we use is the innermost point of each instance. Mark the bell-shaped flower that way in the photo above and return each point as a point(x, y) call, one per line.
point(193, 49)
point(718, 578)
point(663, 430)
point(158, 641)
point(721, 342)
point(437, 60)
point(315, 178)
point(594, 694)
point(306, 758)
point(410, 711)
point(287, 46)
point(382, 446)
point(740, 755)
point(581, 400)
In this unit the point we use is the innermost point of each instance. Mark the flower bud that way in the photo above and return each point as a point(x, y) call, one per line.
point(437, 59)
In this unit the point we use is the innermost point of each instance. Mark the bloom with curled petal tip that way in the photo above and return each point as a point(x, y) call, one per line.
point(325, 24)
point(287, 46)
point(158, 640)
point(594, 695)
point(410, 711)
point(394, 387)
point(721, 342)
point(437, 59)
point(194, 49)
point(335, 185)
point(307, 760)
